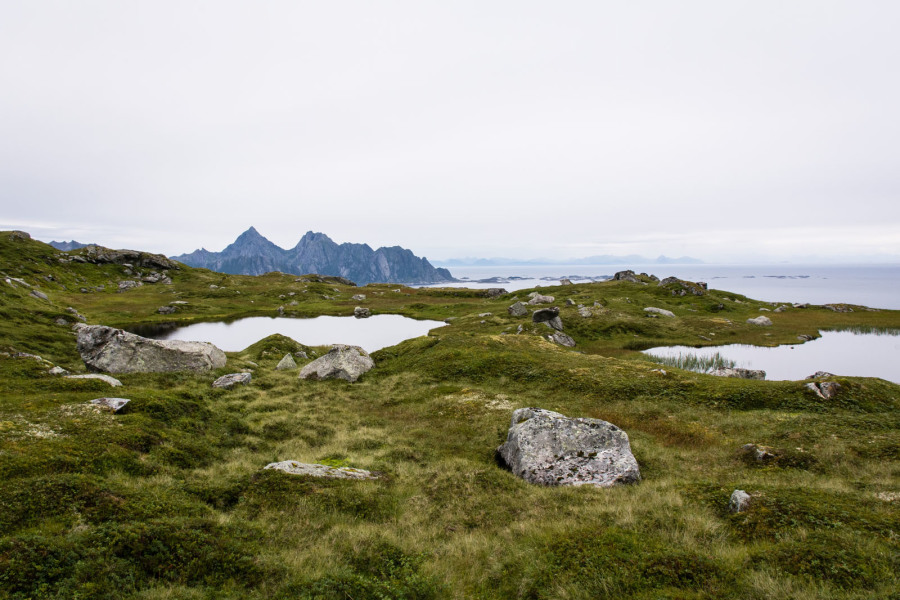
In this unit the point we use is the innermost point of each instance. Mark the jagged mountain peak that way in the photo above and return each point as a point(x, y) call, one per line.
point(253, 254)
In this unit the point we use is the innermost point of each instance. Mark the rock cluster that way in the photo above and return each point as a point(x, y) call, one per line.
point(548, 448)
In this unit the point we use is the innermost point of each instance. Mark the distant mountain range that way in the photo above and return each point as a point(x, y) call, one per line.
point(66, 246)
point(604, 259)
point(252, 254)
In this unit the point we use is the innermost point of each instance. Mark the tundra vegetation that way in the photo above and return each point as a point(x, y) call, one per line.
point(169, 498)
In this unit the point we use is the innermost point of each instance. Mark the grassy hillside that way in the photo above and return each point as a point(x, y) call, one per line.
point(168, 499)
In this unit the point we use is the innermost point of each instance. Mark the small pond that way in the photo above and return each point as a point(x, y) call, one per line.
point(371, 334)
point(839, 352)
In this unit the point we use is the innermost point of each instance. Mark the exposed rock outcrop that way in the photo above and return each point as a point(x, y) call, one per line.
point(293, 467)
point(111, 404)
point(659, 311)
point(738, 373)
point(342, 362)
point(116, 351)
point(548, 448)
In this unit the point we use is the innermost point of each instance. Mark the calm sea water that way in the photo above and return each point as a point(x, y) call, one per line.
point(876, 286)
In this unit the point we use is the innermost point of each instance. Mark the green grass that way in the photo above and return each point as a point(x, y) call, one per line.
point(169, 499)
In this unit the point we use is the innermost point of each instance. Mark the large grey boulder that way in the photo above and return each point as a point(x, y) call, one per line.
point(361, 312)
point(548, 448)
point(116, 351)
point(517, 310)
point(293, 467)
point(738, 373)
point(659, 311)
point(341, 362)
point(550, 316)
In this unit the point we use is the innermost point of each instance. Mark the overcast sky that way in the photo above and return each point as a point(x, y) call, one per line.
point(722, 130)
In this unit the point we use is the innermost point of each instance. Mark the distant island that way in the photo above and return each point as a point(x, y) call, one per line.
point(253, 254)
point(604, 259)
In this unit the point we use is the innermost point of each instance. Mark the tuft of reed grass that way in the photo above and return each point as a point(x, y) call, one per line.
point(692, 362)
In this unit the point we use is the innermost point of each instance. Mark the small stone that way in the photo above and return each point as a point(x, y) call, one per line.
point(300, 354)
point(62, 322)
point(358, 297)
point(58, 371)
point(585, 312)
point(820, 374)
point(361, 312)
point(485, 314)
point(38, 295)
point(562, 339)
point(112, 404)
point(565, 281)
point(166, 310)
point(232, 379)
point(740, 501)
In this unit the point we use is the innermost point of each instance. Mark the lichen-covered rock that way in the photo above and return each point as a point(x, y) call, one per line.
point(293, 467)
point(232, 379)
point(360, 312)
point(342, 362)
point(286, 364)
point(659, 311)
point(762, 321)
point(116, 351)
point(112, 404)
point(110, 380)
point(548, 448)
point(738, 373)
point(517, 310)
point(38, 295)
point(740, 501)
point(58, 371)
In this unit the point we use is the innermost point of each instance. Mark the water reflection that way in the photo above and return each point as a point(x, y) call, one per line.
point(373, 333)
point(839, 352)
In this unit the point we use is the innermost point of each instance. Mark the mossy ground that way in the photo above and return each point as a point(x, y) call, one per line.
point(168, 499)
